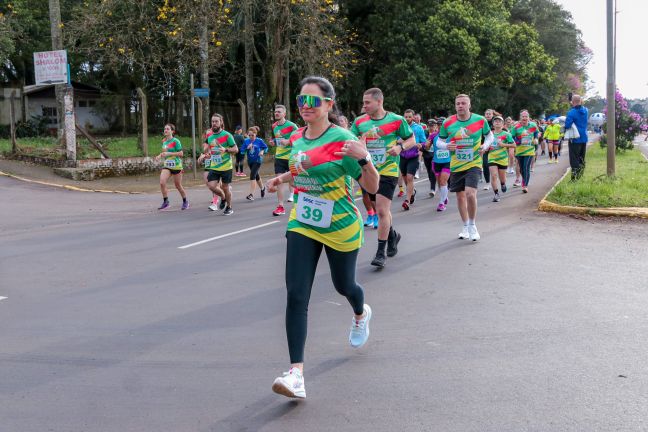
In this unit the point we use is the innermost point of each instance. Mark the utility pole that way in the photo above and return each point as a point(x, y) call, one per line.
point(611, 88)
point(57, 44)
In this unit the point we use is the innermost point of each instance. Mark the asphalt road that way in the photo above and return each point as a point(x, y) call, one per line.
point(108, 325)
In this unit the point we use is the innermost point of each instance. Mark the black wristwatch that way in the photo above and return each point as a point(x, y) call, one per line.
point(365, 160)
point(401, 146)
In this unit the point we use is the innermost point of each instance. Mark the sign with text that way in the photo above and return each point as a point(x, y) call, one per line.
point(50, 67)
point(201, 92)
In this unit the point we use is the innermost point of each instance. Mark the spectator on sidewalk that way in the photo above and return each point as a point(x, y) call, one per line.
point(577, 115)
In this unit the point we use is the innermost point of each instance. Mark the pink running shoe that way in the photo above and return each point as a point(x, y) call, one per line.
point(441, 207)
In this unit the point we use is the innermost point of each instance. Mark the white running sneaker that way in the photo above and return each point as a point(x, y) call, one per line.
point(464, 233)
point(416, 174)
point(213, 207)
point(291, 384)
point(474, 235)
point(290, 197)
point(487, 187)
point(359, 332)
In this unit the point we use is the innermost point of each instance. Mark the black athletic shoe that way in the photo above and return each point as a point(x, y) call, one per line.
point(262, 192)
point(228, 211)
point(392, 245)
point(413, 196)
point(222, 204)
point(379, 259)
point(504, 188)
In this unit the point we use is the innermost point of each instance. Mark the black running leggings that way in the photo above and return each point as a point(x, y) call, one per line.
point(485, 169)
point(254, 170)
point(427, 161)
point(525, 168)
point(240, 157)
point(302, 255)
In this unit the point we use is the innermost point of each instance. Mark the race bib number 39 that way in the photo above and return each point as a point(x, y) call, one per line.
point(314, 211)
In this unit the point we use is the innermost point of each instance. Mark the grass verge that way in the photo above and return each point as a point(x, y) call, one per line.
point(595, 189)
point(116, 147)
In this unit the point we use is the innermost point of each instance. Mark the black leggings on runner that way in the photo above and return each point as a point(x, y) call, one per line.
point(485, 167)
point(239, 162)
point(302, 255)
point(427, 161)
point(254, 170)
point(525, 168)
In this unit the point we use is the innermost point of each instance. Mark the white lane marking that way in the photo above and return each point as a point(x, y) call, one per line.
point(3, 298)
point(332, 302)
point(227, 235)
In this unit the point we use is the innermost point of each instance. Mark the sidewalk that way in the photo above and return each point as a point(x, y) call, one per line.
point(146, 183)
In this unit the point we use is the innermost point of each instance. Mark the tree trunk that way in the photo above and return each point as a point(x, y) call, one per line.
point(57, 44)
point(204, 63)
point(286, 95)
point(124, 115)
point(144, 112)
point(248, 34)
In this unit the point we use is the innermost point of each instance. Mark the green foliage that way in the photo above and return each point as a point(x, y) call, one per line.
point(627, 126)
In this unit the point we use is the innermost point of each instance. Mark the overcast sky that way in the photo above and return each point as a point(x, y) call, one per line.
point(632, 27)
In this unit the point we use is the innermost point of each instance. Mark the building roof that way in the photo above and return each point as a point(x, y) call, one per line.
point(47, 90)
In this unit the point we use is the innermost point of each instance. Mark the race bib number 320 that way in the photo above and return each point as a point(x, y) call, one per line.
point(314, 211)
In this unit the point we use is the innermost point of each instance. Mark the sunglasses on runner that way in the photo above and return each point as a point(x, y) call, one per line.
point(311, 101)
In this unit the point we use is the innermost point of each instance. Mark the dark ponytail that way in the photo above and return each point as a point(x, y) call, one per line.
point(328, 90)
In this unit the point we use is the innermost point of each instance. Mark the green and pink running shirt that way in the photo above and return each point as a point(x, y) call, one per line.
point(172, 162)
point(468, 136)
point(382, 135)
point(324, 208)
point(497, 153)
point(524, 138)
point(220, 161)
point(283, 131)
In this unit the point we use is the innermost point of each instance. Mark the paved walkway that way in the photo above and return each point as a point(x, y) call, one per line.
point(145, 183)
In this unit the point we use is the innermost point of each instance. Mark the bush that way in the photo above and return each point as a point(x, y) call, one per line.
point(628, 124)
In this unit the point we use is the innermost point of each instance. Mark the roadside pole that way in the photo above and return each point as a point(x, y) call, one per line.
point(611, 89)
point(193, 128)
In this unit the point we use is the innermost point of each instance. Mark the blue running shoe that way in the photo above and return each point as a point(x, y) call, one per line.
point(369, 221)
point(359, 332)
point(375, 221)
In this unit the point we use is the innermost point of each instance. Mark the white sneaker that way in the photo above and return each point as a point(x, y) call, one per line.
point(291, 384)
point(359, 332)
point(474, 235)
point(213, 207)
point(416, 174)
point(290, 197)
point(464, 233)
point(487, 187)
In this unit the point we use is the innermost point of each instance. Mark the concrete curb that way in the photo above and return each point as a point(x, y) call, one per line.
point(68, 187)
point(550, 207)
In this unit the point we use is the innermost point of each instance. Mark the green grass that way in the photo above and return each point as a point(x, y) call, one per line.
point(115, 147)
point(594, 189)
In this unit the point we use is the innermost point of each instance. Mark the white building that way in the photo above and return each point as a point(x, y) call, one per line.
point(40, 101)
